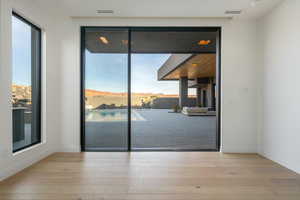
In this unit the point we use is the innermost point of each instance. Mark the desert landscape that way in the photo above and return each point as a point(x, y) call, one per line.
point(94, 99)
point(21, 95)
point(100, 99)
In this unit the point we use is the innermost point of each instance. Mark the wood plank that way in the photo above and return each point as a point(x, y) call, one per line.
point(152, 175)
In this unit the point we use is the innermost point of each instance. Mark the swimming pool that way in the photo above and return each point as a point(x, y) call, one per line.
point(111, 115)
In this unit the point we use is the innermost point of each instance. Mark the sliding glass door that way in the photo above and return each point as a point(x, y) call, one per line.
point(167, 68)
point(150, 89)
point(105, 89)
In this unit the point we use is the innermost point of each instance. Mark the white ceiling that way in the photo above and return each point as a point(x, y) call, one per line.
point(166, 8)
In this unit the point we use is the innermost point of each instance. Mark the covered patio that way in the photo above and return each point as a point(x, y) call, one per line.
point(192, 71)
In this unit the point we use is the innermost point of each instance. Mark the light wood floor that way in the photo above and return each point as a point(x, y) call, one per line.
point(153, 176)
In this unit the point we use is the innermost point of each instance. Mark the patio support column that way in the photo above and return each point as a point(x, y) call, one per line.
point(198, 100)
point(209, 95)
point(213, 91)
point(183, 92)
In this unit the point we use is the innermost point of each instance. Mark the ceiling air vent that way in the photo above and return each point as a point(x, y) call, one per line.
point(233, 12)
point(105, 11)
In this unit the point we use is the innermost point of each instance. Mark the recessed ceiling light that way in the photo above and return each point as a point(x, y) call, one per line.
point(103, 40)
point(204, 42)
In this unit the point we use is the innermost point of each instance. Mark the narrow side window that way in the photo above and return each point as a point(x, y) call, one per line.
point(26, 83)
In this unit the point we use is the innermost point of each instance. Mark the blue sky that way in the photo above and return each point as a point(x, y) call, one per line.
point(108, 72)
point(21, 52)
point(144, 74)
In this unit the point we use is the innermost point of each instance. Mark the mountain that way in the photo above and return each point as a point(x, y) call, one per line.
point(103, 99)
point(95, 98)
point(90, 93)
point(21, 92)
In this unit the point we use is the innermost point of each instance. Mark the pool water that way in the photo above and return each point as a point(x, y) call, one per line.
point(110, 115)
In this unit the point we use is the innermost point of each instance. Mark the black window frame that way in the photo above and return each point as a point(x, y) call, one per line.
point(38, 91)
point(130, 29)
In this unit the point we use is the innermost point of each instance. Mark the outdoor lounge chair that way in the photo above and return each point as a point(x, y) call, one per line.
point(198, 111)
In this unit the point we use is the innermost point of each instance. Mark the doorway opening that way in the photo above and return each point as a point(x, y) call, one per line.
point(150, 88)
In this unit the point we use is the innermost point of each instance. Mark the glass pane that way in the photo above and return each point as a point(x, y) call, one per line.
point(26, 40)
point(173, 96)
point(106, 99)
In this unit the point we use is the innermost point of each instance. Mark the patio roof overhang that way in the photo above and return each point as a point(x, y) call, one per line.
point(192, 66)
point(162, 42)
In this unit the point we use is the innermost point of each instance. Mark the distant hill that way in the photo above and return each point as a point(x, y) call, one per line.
point(21, 92)
point(104, 99)
point(95, 98)
point(90, 93)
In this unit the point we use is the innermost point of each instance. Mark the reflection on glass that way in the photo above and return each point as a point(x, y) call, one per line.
point(25, 83)
point(106, 99)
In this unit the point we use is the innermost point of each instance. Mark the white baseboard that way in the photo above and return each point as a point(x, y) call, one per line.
point(24, 163)
point(284, 163)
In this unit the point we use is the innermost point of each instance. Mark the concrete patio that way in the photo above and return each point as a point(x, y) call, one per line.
point(160, 129)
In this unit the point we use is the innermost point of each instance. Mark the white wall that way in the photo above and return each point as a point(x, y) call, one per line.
point(41, 15)
point(279, 34)
point(239, 80)
point(62, 62)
